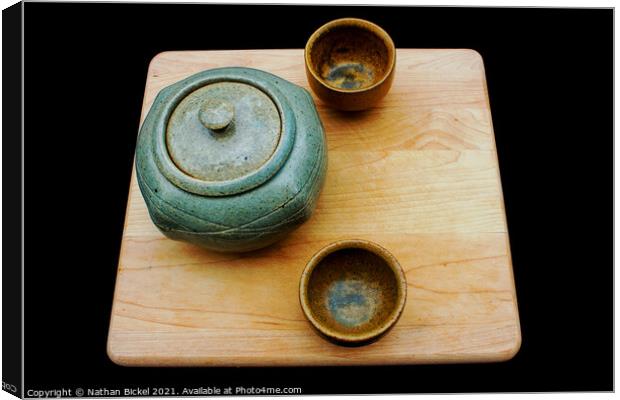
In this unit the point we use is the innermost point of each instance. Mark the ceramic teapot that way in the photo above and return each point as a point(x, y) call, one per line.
point(231, 159)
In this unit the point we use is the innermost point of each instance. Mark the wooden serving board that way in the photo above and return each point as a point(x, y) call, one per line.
point(418, 174)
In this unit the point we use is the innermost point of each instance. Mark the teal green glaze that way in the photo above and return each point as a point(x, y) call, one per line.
point(265, 189)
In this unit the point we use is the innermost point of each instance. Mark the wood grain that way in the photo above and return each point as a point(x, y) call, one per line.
point(418, 174)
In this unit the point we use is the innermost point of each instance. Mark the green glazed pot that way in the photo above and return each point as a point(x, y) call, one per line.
point(231, 159)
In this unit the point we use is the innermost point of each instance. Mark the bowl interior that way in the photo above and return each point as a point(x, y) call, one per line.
point(352, 291)
point(350, 57)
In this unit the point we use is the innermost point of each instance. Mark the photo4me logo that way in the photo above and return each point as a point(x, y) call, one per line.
point(8, 387)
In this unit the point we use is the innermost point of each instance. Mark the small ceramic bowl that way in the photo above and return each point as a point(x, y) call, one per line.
point(353, 292)
point(350, 63)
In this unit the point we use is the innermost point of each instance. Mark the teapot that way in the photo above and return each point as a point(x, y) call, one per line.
point(231, 159)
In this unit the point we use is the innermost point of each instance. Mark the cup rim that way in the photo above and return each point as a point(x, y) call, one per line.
point(361, 23)
point(376, 249)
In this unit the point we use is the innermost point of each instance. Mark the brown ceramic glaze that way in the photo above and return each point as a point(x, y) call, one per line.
point(353, 292)
point(350, 63)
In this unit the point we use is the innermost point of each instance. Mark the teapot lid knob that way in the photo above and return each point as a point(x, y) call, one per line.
point(216, 114)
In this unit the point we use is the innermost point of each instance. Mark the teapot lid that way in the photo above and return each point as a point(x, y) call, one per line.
point(224, 134)
point(223, 131)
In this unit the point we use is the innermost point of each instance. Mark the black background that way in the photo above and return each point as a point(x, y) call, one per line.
point(550, 82)
point(11, 206)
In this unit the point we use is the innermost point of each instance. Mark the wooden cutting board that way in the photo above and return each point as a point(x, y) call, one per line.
point(418, 174)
